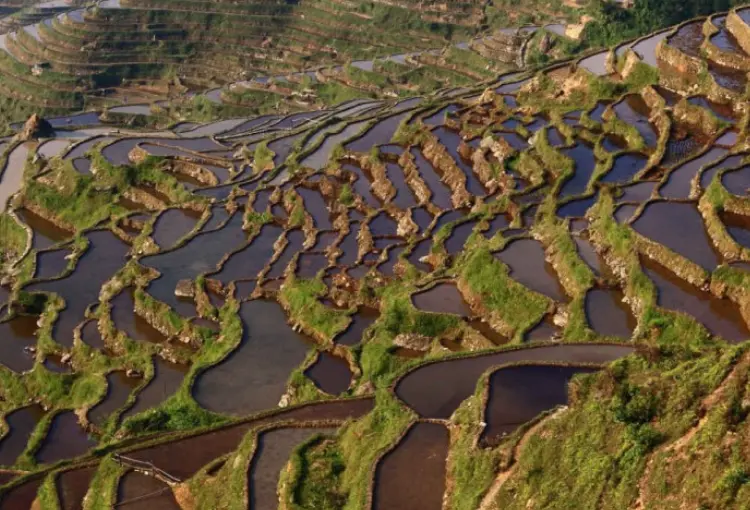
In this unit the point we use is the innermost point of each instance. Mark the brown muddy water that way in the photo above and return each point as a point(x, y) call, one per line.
point(21, 424)
point(172, 225)
point(458, 237)
point(296, 239)
point(50, 264)
point(274, 449)
point(437, 389)
point(679, 227)
point(46, 233)
point(126, 320)
point(363, 319)
point(184, 457)
point(525, 258)
point(65, 439)
point(91, 336)
point(421, 249)
point(634, 111)
point(202, 253)
point(387, 268)
point(488, 332)
point(53, 363)
point(119, 388)
point(21, 497)
point(625, 213)
point(404, 197)
point(518, 394)
point(585, 162)
point(608, 315)
point(72, 487)
point(310, 264)
point(380, 133)
point(738, 226)
point(137, 491)
point(315, 205)
point(678, 183)
point(362, 185)
point(7, 476)
point(349, 246)
point(590, 256)
point(708, 174)
point(720, 316)
point(412, 476)
point(253, 377)
point(577, 208)
point(688, 38)
point(103, 258)
point(496, 224)
point(17, 335)
point(166, 381)
point(614, 143)
point(330, 373)
point(737, 181)
point(442, 298)
point(624, 168)
point(722, 111)
point(637, 192)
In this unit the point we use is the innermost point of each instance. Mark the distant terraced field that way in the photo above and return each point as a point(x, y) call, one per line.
point(67, 57)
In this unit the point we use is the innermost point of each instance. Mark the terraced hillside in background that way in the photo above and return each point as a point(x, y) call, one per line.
point(248, 57)
point(527, 292)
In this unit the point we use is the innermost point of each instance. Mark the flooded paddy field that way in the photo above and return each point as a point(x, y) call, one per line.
point(236, 301)
point(270, 457)
point(412, 475)
point(679, 227)
point(517, 394)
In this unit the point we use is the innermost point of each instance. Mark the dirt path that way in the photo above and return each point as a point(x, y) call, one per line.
point(488, 502)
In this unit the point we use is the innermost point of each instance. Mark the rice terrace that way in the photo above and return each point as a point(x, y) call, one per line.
point(388, 255)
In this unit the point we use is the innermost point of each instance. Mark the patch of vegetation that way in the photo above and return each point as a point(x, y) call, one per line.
point(487, 277)
point(302, 298)
point(597, 450)
point(315, 472)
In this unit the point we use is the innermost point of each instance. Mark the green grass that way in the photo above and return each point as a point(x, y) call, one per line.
point(378, 430)
point(314, 476)
point(103, 488)
point(331, 93)
point(472, 468)
point(263, 158)
point(47, 495)
point(488, 278)
point(13, 239)
point(596, 452)
point(303, 300)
